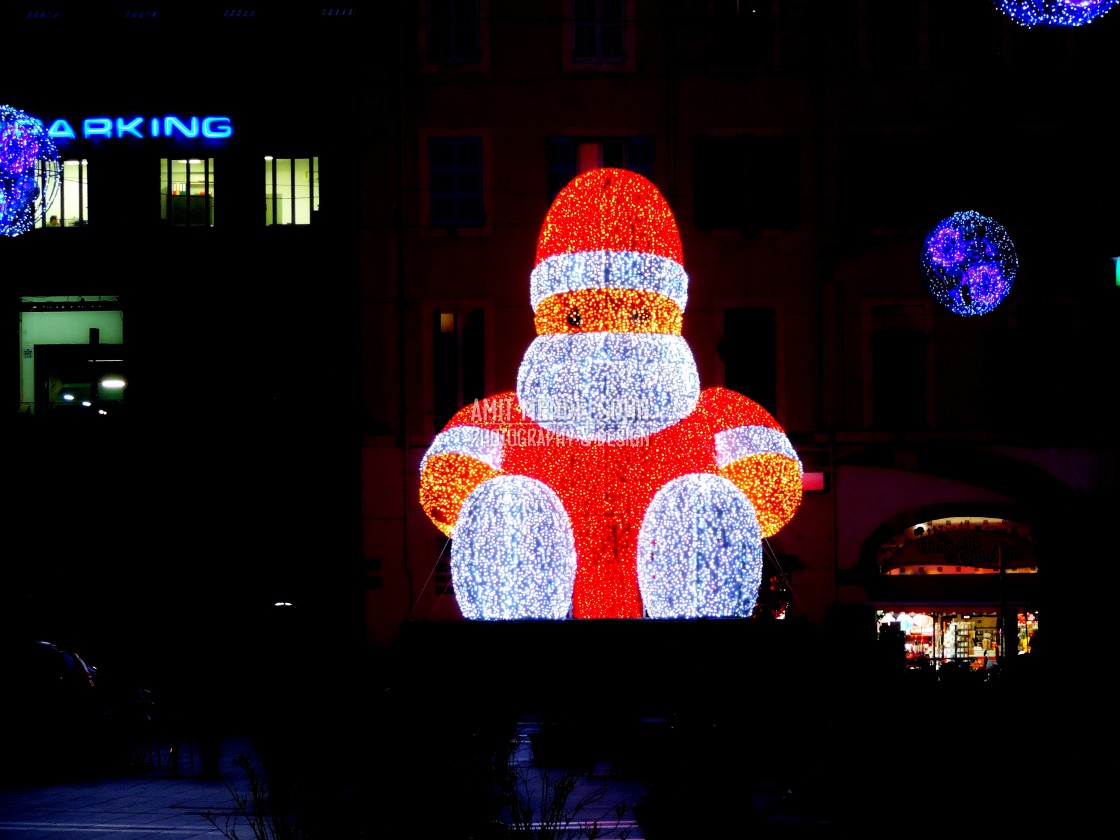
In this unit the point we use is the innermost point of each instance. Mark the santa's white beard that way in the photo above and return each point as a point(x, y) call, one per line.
point(606, 386)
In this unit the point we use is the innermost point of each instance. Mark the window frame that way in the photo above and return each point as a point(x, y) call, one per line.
point(768, 205)
point(882, 316)
point(573, 20)
point(434, 63)
point(168, 210)
point(294, 199)
point(774, 402)
point(563, 156)
point(439, 227)
point(59, 205)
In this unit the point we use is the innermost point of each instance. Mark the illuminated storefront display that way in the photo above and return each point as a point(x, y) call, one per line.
point(609, 485)
point(961, 546)
point(934, 639)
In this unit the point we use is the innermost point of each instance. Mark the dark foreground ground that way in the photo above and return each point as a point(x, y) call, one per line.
point(707, 729)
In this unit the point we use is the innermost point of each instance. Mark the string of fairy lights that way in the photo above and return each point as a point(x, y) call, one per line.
point(1054, 12)
point(30, 170)
point(969, 263)
point(609, 484)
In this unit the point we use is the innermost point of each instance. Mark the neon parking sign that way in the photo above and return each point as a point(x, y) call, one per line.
point(142, 128)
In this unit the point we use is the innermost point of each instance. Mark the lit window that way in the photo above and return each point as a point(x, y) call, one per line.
point(291, 190)
point(72, 356)
point(458, 361)
point(70, 207)
point(455, 183)
point(187, 192)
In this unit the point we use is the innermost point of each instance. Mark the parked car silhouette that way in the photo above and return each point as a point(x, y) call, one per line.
point(57, 719)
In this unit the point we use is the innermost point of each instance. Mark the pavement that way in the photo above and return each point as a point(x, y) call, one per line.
point(156, 802)
point(153, 803)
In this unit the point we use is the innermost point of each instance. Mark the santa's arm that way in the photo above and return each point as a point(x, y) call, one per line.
point(466, 453)
point(753, 451)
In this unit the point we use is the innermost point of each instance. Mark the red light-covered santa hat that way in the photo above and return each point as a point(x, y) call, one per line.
point(609, 229)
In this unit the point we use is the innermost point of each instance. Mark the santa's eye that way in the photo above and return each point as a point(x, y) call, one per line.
point(640, 316)
point(574, 318)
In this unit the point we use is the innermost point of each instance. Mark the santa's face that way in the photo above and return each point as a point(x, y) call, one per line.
point(607, 386)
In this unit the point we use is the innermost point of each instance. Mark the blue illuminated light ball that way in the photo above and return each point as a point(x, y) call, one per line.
point(969, 263)
point(1054, 12)
point(30, 170)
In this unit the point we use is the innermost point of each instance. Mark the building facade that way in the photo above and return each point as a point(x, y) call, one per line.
point(956, 467)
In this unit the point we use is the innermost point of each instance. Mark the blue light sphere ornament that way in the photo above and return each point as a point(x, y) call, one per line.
point(30, 170)
point(1054, 12)
point(969, 263)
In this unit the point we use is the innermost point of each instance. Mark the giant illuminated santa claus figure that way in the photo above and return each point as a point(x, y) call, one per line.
point(609, 485)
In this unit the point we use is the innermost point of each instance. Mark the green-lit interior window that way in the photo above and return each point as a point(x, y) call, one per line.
point(72, 355)
point(187, 191)
point(291, 190)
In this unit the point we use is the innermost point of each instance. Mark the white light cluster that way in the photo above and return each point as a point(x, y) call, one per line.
point(700, 551)
point(482, 444)
point(607, 386)
point(744, 441)
point(513, 556)
point(608, 270)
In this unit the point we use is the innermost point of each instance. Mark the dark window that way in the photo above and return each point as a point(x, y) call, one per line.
point(599, 31)
point(898, 379)
point(748, 183)
point(458, 359)
point(569, 156)
point(738, 36)
point(887, 182)
point(749, 350)
point(453, 32)
point(455, 182)
point(892, 30)
point(965, 37)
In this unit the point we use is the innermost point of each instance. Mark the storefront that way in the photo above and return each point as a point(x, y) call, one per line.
point(934, 637)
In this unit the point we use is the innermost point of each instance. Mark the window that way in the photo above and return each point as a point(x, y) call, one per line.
point(888, 181)
point(291, 190)
point(455, 183)
point(458, 361)
point(747, 182)
point(749, 350)
point(597, 35)
point(569, 156)
point(72, 359)
point(70, 207)
point(738, 35)
point(964, 37)
point(901, 363)
point(187, 192)
point(452, 33)
point(892, 29)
